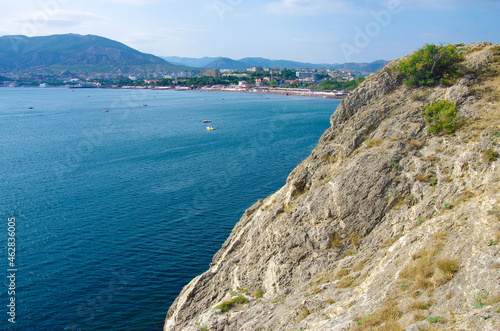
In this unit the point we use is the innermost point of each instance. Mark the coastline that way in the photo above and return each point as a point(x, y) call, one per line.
point(256, 90)
point(252, 90)
point(284, 91)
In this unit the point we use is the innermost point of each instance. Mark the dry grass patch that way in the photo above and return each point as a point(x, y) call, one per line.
point(415, 144)
point(335, 241)
point(355, 239)
point(359, 266)
point(388, 243)
point(302, 313)
point(373, 143)
point(423, 177)
point(342, 273)
point(383, 319)
point(419, 316)
point(350, 252)
point(346, 282)
point(427, 271)
point(288, 208)
point(419, 304)
point(432, 158)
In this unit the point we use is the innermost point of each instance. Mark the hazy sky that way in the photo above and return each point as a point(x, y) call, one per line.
point(327, 31)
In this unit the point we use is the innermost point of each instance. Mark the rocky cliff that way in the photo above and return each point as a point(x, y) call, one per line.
point(384, 226)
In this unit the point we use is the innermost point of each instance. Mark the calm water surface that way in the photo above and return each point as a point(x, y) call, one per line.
point(116, 211)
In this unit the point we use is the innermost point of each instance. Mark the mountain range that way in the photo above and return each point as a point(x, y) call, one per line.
point(242, 64)
point(87, 53)
point(95, 54)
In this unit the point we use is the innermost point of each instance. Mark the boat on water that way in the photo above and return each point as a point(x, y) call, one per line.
point(105, 110)
point(144, 105)
point(32, 108)
point(207, 121)
point(210, 128)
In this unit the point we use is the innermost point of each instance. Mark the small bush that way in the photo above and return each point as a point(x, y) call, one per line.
point(394, 165)
point(239, 300)
point(442, 115)
point(258, 294)
point(434, 319)
point(242, 290)
point(490, 155)
point(225, 306)
point(431, 64)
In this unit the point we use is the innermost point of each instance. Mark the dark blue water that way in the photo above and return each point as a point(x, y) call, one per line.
point(116, 211)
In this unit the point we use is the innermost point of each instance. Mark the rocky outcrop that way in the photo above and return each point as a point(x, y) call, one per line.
point(383, 226)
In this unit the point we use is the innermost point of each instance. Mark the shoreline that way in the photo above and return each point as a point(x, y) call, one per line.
point(270, 91)
point(288, 92)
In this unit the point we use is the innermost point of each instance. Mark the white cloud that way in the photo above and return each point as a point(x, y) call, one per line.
point(38, 21)
point(308, 7)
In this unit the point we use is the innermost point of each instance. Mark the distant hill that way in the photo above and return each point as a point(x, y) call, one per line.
point(189, 61)
point(242, 64)
point(362, 67)
point(266, 63)
point(226, 63)
point(75, 53)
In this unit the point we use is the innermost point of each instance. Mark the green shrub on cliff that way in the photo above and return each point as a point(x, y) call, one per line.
point(442, 115)
point(431, 64)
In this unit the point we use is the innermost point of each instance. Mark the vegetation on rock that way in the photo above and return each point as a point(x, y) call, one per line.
point(442, 115)
point(431, 64)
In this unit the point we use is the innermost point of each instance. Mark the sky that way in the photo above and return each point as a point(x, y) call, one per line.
point(316, 31)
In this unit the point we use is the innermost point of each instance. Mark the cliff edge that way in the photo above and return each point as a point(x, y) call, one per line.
point(385, 226)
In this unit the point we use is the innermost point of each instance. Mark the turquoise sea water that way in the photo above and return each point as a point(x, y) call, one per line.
point(116, 211)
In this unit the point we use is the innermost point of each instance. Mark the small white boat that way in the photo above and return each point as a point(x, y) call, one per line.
point(210, 128)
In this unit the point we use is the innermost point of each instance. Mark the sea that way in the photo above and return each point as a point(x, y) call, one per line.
point(106, 215)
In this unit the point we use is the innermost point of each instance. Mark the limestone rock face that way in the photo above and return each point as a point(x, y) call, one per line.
point(383, 225)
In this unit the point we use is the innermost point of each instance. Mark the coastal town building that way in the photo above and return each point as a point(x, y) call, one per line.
point(254, 69)
point(215, 73)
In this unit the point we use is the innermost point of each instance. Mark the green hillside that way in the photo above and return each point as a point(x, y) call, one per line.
point(74, 52)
